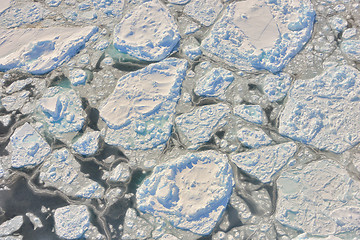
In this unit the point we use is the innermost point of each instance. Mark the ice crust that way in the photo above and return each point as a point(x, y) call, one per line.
point(87, 144)
point(140, 111)
point(321, 111)
point(320, 199)
point(40, 50)
point(148, 32)
point(265, 162)
point(261, 34)
point(71, 222)
point(28, 148)
point(204, 11)
point(191, 191)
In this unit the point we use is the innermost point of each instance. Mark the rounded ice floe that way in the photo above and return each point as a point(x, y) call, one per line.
point(140, 111)
point(338, 24)
point(261, 34)
point(77, 77)
point(191, 192)
point(71, 222)
point(148, 32)
point(250, 113)
point(87, 144)
point(320, 199)
point(351, 48)
point(10, 226)
point(253, 137)
point(321, 111)
point(40, 50)
point(265, 162)
point(204, 11)
point(28, 148)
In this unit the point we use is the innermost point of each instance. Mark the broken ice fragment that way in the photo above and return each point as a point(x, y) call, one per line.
point(28, 148)
point(36, 222)
point(192, 51)
point(71, 222)
point(4, 4)
point(87, 144)
point(265, 162)
point(337, 23)
point(11, 226)
point(253, 137)
point(251, 113)
point(261, 34)
point(204, 11)
point(77, 77)
point(351, 48)
point(135, 227)
point(121, 173)
point(21, 13)
point(191, 191)
point(321, 111)
point(18, 85)
point(319, 198)
point(40, 50)
point(140, 111)
point(214, 83)
point(275, 87)
point(147, 32)
point(110, 7)
point(15, 101)
point(198, 126)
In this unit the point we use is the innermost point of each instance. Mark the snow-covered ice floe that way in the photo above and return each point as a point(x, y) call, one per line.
point(87, 144)
point(191, 191)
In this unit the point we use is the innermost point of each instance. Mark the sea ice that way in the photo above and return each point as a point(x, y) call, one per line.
point(321, 111)
point(62, 171)
point(204, 11)
point(276, 86)
point(265, 162)
point(4, 4)
point(121, 173)
point(110, 7)
point(21, 13)
point(77, 77)
point(40, 50)
point(320, 199)
point(27, 147)
point(71, 222)
point(214, 83)
point(253, 137)
point(261, 34)
point(351, 48)
point(349, 33)
point(11, 226)
point(36, 222)
point(197, 126)
point(193, 52)
point(87, 144)
point(179, 2)
point(18, 85)
point(135, 227)
point(250, 113)
point(147, 32)
point(337, 23)
point(140, 111)
point(191, 191)
point(15, 101)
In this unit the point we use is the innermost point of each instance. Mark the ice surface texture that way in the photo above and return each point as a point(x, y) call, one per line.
point(191, 192)
point(261, 34)
point(320, 199)
point(87, 144)
point(11, 226)
point(148, 32)
point(40, 50)
point(204, 11)
point(4, 4)
point(321, 111)
point(139, 113)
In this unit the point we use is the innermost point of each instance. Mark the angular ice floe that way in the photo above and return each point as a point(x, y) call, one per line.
point(71, 222)
point(21, 13)
point(148, 32)
point(192, 51)
point(40, 50)
point(62, 171)
point(87, 144)
point(18, 85)
point(139, 113)
point(338, 24)
point(11, 226)
point(4, 4)
point(320, 199)
point(77, 77)
point(60, 109)
point(135, 227)
point(261, 34)
point(253, 137)
point(214, 83)
point(265, 162)
point(15, 101)
point(191, 191)
point(321, 111)
point(351, 48)
point(198, 126)
point(28, 148)
point(204, 11)
point(276, 86)
point(121, 173)
point(35, 220)
point(250, 113)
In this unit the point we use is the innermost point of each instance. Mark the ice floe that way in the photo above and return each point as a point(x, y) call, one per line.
point(191, 191)
point(11, 226)
point(204, 11)
point(22, 13)
point(4, 4)
point(250, 113)
point(253, 137)
point(35, 220)
point(87, 144)
point(351, 48)
point(275, 87)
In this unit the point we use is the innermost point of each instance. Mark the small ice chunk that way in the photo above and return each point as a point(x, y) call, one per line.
point(21, 13)
point(338, 24)
point(28, 148)
point(192, 28)
point(18, 85)
point(135, 227)
point(265, 162)
point(140, 111)
point(112, 8)
point(276, 86)
point(87, 144)
point(11, 226)
point(53, 3)
point(121, 173)
point(351, 48)
point(251, 113)
point(77, 77)
point(15, 101)
point(198, 126)
point(204, 11)
point(192, 51)
point(253, 137)
point(147, 32)
point(321, 111)
point(36, 222)
point(178, 2)
point(214, 83)
point(349, 33)
point(320, 199)
point(40, 50)
point(71, 222)
point(5, 120)
point(4, 4)
point(191, 192)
